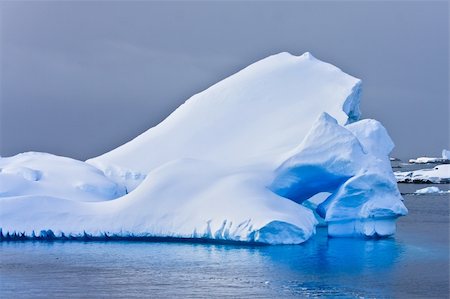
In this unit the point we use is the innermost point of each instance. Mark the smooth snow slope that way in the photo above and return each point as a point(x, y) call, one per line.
point(235, 162)
point(253, 116)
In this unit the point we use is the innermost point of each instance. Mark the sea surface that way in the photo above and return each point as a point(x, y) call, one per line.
point(412, 264)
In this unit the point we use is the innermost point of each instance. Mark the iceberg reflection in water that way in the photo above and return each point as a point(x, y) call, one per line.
point(321, 266)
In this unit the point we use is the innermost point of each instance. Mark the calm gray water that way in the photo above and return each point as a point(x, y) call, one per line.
point(413, 264)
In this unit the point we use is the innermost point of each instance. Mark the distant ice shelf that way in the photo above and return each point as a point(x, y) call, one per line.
point(445, 159)
point(263, 157)
point(439, 174)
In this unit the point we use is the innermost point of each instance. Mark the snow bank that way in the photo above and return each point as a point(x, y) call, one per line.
point(431, 190)
point(245, 160)
point(40, 174)
point(440, 174)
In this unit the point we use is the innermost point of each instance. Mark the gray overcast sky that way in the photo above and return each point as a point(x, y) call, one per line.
point(80, 78)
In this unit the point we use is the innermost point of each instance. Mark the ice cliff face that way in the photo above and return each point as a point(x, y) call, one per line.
point(237, 162)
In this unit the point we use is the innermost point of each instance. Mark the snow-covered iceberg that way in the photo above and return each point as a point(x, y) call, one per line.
point(440, 174)
point(239, 161)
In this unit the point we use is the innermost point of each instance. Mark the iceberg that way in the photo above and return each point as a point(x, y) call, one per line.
point(446, 154)
point(262, 156)
point(440, 174)
point(431, 190)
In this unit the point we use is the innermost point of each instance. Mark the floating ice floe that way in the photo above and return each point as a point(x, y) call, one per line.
point(440, 174)
point(245, 160)
point(431, 190)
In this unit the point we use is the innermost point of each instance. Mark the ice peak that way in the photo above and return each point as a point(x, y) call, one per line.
point(308, 55)
point(223, 116)
point(325, 117)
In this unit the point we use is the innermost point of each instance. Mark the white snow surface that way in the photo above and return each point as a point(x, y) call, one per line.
point(234, 162)
point(41, 174)
point(440, 174)
point(253, 116)
point(446, 154)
